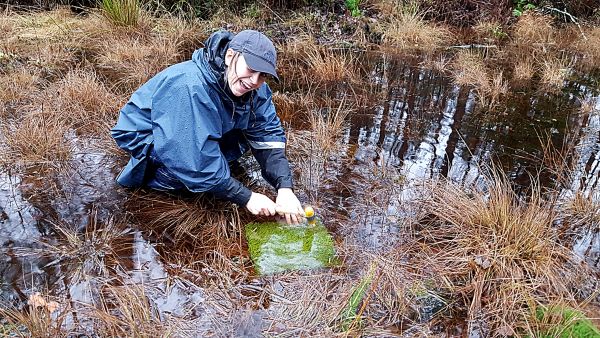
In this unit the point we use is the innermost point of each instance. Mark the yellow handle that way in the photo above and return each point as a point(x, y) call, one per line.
point(309, 212)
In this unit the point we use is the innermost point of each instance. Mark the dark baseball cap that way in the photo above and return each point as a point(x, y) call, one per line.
point(258, 51)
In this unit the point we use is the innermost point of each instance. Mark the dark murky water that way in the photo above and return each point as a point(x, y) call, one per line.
point(419, 125)
point(425, 127)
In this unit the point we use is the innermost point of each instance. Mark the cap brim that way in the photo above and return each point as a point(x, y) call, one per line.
point(259, 65)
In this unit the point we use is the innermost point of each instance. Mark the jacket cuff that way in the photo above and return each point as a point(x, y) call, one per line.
point(284, 182)
point(232, 190)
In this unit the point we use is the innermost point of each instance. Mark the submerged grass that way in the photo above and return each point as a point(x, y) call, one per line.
point(349, 318)
point(312, 150)
point(86, 253)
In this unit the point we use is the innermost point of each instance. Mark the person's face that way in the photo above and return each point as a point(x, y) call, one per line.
point(240, 77)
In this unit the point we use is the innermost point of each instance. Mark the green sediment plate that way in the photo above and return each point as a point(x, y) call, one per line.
point(276, 247)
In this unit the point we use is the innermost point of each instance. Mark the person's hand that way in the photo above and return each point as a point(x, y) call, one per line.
point(260, 204)
point(289, 206)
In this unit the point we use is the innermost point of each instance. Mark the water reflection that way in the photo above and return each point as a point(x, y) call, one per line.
point(423, 126)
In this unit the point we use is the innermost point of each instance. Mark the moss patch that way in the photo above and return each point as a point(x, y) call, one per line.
point(276, 247)
point(567, 323)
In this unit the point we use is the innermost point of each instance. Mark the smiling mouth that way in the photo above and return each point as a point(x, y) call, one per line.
point(245, 86)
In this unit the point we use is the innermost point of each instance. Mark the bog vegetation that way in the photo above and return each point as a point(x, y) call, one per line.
point(484, 261)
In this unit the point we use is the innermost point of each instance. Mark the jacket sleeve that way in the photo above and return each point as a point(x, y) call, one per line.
point(267, 141)
point(186, 128)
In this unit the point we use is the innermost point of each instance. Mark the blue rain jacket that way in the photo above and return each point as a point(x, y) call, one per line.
point(186, 121)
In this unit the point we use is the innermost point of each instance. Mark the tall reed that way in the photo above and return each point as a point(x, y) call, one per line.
point(122, 12)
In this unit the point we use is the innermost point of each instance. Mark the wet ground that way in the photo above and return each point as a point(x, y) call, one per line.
point(411, 123)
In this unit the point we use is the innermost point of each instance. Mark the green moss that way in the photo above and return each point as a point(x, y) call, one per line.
point(276, 247)
point(567, 323)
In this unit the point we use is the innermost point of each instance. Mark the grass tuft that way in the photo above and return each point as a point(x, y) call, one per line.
point(36, 139)
point(85, 102)
point(122, 12)
point(88, 253)
point(534, 30)
point(126, 311)
point(589, 47)
point(18, 88)
point(311, 150)
point(197, 218)
point(500, 251)
point(469, 69)
point(128, 62)
point(554, 72)
point(524, 70)
point(406, 28)
point(328, 65)
point(43, 317)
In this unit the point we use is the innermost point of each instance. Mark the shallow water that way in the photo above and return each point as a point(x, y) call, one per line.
point(418, 126)
point(425, 127)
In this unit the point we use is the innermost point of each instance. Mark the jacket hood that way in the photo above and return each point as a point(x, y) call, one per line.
point(212, 59)
point(214, 49)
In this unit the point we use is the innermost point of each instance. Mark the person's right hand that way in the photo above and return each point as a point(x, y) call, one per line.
point(260, 204)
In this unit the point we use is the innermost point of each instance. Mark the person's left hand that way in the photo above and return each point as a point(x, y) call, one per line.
point(288, 205)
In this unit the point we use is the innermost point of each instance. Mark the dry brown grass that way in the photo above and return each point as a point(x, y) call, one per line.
point(311, 150)
point(328, 65)
point(589, 47)
point(130, 61)
point(406, 28)
point(85, 102)
point(524, 70)
point(290, 109)
point(397, 286)
point(582, 210)
point(188, 35)
point(42, 318)
point(17, 89)
point(500, 252)
point(126, 311)
point(36, 139)
point(307, 304)
point(440, 63)
point(47, 40)
point(469, 69)
point(222, 18)
point(534, 30)
point(198, 218)
point(489, 31)
point(553, 73)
